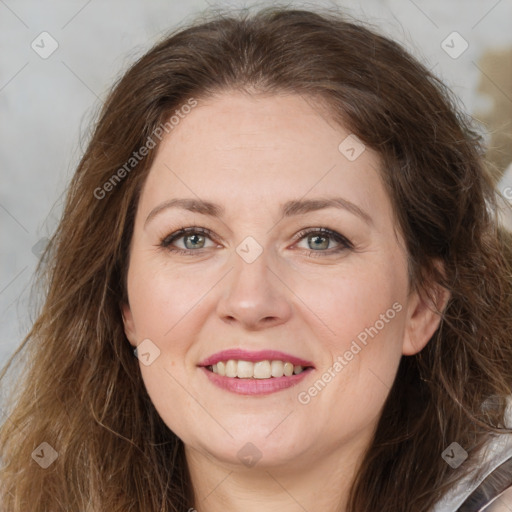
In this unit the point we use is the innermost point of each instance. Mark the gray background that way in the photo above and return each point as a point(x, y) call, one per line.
point(46, 104)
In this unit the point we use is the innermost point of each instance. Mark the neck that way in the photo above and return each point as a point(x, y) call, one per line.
point(320, 482)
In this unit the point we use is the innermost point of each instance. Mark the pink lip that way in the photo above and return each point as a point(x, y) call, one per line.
point(262, 355)
point(255, 386)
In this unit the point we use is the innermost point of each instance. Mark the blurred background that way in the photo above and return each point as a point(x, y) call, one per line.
point(59, 58)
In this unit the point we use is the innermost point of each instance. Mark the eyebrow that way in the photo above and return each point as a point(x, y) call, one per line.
point(288, 209)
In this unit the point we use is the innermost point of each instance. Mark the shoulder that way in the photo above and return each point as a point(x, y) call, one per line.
point(489, 485)
point(491, 494)
point(502, 502)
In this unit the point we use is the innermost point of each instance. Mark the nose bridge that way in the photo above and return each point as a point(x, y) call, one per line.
point(254, 292)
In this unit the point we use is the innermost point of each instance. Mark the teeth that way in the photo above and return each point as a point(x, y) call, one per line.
point(276, 369)
point(231, 368)
point(259, 370)
point(245, 370)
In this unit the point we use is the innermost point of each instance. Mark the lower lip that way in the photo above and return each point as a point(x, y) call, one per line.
point(255, 386)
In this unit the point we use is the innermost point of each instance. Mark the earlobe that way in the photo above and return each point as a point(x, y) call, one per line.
point(129, 327)
point(423, 318)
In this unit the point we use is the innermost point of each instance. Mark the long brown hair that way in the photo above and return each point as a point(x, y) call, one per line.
point(80, 390)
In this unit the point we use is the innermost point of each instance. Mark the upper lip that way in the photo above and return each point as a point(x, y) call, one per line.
point(261, 355)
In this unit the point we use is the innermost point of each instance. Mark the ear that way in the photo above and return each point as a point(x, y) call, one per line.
point(129, 327)
point(423, 318)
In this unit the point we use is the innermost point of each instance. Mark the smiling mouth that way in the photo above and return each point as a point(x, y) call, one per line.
point(266, 369)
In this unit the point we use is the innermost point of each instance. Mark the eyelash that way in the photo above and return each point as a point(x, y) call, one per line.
point(166, 242)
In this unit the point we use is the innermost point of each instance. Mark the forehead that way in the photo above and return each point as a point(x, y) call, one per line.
point(266, 124)
point(236, 147)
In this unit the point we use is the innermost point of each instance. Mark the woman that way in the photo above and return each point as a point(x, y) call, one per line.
point(338, 338)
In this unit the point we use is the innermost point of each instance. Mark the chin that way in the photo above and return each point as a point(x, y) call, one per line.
point(253, 449)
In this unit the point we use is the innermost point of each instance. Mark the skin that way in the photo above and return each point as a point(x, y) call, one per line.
point(250, 154)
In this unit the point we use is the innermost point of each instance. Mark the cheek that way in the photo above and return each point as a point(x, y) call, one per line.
point(161, 296)
point(361, 328)
point(165, 305)
point(358, 305)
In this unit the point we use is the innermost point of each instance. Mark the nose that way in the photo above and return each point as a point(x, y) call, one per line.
point(255, 295)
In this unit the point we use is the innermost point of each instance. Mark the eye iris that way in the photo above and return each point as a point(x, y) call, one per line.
point(193, 236)
point(316, 237)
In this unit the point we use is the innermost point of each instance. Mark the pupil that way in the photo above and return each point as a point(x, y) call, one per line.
point(316, 237)
point(192, 236)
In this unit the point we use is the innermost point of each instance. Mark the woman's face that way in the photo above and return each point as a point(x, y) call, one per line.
point(338, 301)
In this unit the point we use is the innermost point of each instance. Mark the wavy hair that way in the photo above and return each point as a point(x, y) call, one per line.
point(80, 389)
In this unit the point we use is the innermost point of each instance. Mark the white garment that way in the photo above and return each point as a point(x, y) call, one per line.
point(496, 453)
